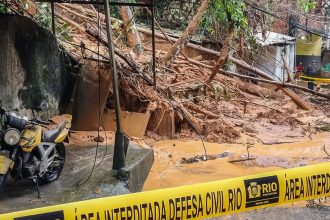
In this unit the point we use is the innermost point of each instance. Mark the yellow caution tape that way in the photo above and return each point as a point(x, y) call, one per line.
point(324, 80)
point(196, 201)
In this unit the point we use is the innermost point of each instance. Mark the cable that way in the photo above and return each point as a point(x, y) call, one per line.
point(100, 115)
point(106, 144)
point(295, 24)
point(99, 107)
point(92, 51)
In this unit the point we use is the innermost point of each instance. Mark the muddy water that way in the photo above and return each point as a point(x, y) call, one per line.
point(167, 170)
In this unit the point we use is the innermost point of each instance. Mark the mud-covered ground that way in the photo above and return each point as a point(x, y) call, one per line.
point(273, 147)
point(170, 171)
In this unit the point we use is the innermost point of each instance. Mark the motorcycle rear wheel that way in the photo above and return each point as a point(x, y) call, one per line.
point(3, 178)
point(54, 172)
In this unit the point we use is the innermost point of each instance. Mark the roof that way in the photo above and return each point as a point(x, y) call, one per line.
point(273, 38)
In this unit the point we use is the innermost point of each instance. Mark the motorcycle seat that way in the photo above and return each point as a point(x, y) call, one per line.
point(51, 135)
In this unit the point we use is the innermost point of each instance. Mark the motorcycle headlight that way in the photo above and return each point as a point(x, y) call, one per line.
point(11, 137)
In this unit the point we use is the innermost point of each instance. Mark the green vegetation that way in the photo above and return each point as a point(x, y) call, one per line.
point(306, 5)
point(325, 128)
point(229, 10)
point(64, 32)
point(44, 19)
point(43, 16)
point(3, 8)
point(223, 12)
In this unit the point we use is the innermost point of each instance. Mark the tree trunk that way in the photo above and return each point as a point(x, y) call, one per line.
point(299, 101)
point(132, 34)
point(224, 53)
point(286, 68)
point(281, 84)
point(182, 42)
point(240, 50)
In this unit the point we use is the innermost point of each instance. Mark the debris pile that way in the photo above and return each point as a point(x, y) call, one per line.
point(198, 158)
point(184, 103)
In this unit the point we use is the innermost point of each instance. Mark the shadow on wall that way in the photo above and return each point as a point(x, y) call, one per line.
point(32, 69)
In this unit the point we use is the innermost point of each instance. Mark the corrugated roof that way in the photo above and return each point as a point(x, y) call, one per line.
point(274, 38)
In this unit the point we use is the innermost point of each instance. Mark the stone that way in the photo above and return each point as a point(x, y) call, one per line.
point(32, 68)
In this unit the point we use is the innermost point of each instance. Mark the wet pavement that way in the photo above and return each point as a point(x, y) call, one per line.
point(72, 185)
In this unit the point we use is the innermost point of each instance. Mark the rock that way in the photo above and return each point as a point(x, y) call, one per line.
point(250, 129)
point(224, 154)
point(32, 68)
point(99, 139)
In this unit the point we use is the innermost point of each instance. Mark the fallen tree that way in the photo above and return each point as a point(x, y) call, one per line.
point(131, 32)
point(185, 37)
point(191, 120)
point(299, 101)
point(281, 84)
point(224, 54)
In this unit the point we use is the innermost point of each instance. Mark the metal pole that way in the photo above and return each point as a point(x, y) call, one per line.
point(119, 149)
point(153, 44)
point(53, 17)
point(327, 19)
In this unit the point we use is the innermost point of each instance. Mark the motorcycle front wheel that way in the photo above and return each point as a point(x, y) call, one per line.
point(3, 178)
point(55, 169)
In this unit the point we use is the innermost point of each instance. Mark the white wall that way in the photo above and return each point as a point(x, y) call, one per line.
point(271, 61)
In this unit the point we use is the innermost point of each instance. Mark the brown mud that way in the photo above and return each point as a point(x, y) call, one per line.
point(168, 171)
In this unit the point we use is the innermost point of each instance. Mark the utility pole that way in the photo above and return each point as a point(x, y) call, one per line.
point(121, 141)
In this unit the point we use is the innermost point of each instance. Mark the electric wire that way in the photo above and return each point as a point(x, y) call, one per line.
point(99, 108)
point(295, 24)
point(106, 144)
point(92, 51)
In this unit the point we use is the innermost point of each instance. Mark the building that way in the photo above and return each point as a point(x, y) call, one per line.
point(276, 48)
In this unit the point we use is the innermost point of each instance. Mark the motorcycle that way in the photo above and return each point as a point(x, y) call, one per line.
point(32, 153)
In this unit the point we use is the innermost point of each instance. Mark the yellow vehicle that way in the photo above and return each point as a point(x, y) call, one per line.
point(28, 152)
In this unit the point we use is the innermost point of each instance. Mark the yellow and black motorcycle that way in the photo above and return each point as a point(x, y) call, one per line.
point(30, 152)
